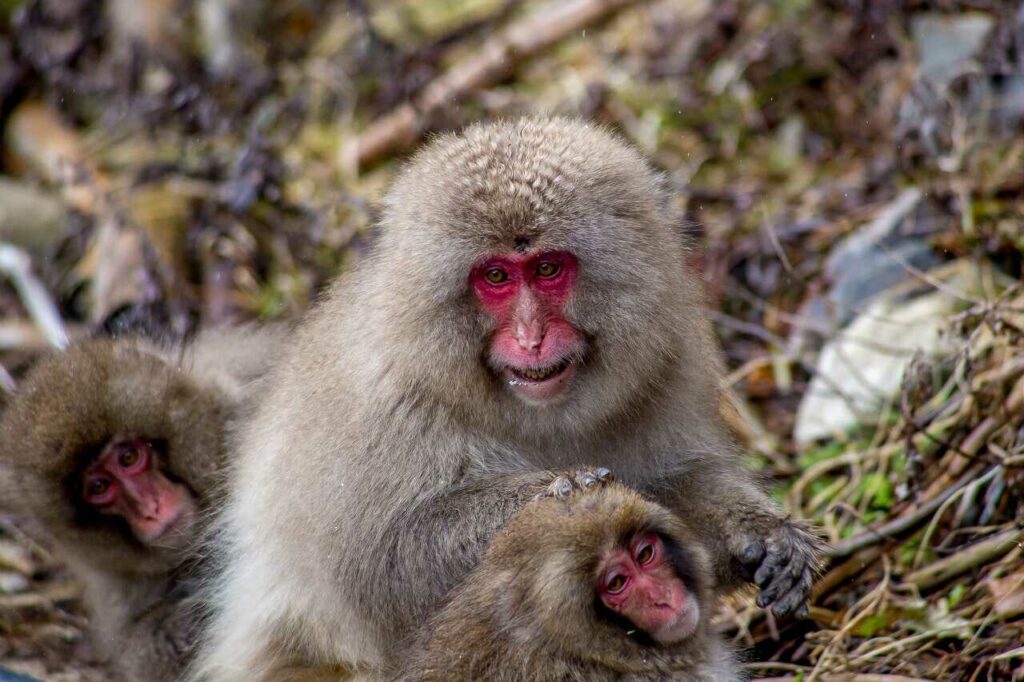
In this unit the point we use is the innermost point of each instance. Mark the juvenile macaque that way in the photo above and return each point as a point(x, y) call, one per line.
point(113, 451)
point(598, 585)
point(527, 308)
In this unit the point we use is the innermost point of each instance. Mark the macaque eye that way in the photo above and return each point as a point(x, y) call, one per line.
point(496, 276)
point(645, 553)
point(547, 269)
point(615, 583)
point(96, 487)
point(128, 458)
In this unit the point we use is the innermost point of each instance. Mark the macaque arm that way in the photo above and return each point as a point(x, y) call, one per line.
point(163, 636)
point(749, 537)
point(148, 627)
point(440, 538)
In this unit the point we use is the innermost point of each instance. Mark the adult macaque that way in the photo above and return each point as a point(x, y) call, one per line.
point(598, 585)
point(113, 451)
point(526, 308)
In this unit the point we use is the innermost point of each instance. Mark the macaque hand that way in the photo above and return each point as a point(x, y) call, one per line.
point(174, 634)
point(783, 566)
point(566, 484)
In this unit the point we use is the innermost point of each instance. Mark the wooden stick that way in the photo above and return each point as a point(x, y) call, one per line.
point(956, 461)
point(40, 140)
point(497, 58)
point(117, 260)
point(16, 264)
point(901, 525)
point(843, 677)
point(977, 554)
point(844, 571)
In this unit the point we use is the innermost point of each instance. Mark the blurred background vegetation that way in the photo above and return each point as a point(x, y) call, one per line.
point(852, 172)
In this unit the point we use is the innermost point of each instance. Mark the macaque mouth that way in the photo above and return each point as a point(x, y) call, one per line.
point(540, 385)
point(542, 374)
point(172, 531)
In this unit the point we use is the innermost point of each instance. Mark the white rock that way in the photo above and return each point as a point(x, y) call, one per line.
point(860, 371)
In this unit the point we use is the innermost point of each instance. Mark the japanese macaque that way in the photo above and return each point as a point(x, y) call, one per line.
point(527, 308)
point(113, 451)
point(598, 585)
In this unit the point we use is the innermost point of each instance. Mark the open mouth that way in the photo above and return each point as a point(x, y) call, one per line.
point(542, 374)
point(540, 384)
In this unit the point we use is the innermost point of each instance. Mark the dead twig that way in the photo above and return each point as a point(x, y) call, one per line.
point(17, 266)
point(977, 554)
point(7, 382)
point(496, 59)
point(120, 261)
point(956, 461)
point(862, 677)
point(898, 526)
point(843, 572)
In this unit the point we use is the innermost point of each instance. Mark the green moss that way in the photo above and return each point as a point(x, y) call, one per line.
point(876, 491)
point(828, 451)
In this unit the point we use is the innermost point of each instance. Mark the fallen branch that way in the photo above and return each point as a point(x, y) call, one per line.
point(17, 266)
point(977, 554)
point(844, 571)
point(29, 217)
point(118, 262)
point(954, 463)
point(497, 58)
point(862, 677)
point(901, 525)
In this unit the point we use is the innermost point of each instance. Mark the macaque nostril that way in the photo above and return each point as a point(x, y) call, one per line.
point(529, 339)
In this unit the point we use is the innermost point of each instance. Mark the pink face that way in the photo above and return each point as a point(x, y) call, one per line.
point(125, 481)
point(640, 584)
point(533, 346)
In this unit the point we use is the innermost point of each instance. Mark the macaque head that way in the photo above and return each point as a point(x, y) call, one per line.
point(603, 572)
point(640, 581)
point(536, 264)
point(114, 453)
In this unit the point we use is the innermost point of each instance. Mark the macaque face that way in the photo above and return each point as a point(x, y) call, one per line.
point(640, 583)
point(534, 347)
point(126, 481)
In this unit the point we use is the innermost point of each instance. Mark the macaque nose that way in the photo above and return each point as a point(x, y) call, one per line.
point(142, 499)
point(529, 334)
point(529, 323)
point(669, 596)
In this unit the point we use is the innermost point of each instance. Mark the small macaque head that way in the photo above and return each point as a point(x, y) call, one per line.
point(113, 453)
point(639, 581)
point(533, 346)
point(601, 574)
point(125, 480)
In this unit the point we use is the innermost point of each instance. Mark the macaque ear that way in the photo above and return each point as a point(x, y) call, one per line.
point(665, 186)
point(671, 205)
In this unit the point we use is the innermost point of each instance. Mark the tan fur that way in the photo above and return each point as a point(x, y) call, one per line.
point(386, 453)
point(66, 411)
point(528, 611)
